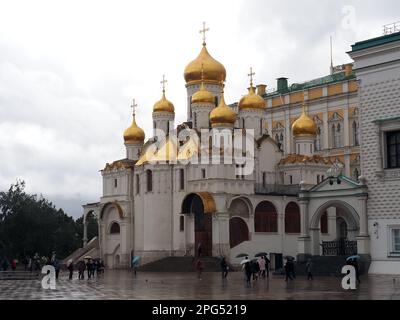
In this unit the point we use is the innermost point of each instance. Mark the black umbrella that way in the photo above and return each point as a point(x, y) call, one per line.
point(242, 255)
point(261, 254)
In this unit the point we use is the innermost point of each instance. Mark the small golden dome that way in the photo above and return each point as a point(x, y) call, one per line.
point(252, 101)
point(163, 105)
point(134, 134)
point(214, 71)
point(222, 115)
point(304, 126)
point(203, 96)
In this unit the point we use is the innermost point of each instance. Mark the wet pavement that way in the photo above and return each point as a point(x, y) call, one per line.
point(178, 286)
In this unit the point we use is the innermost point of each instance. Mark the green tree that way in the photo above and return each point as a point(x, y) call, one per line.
point(30, 224)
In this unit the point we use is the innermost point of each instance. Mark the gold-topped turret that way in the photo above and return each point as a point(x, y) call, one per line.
point(252, 100)
point(222, 115)
point(134, 134)
point(163, 105)
point(304, 125)
point(214, 71)
point(203, 95)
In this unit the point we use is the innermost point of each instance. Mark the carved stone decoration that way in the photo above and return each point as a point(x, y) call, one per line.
point(336, 169)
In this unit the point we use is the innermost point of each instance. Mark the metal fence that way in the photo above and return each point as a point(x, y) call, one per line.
point(339, 248)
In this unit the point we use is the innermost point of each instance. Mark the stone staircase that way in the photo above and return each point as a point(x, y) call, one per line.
point(181, 264)
point(19, 275)
point(91, 248)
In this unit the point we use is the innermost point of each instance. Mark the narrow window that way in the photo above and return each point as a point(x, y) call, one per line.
point(137, 184)
point(264, 179)
point(115, 183)
point(149, 178)
point(291, 179)
point(182, 223)
point(181, 179)
point(203, 173)
point(393, 149)
point(317, 178)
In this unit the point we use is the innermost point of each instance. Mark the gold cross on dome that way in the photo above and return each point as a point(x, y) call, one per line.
point(251, 74)
point(163, 82)
point(133, 106)
point(203, 31)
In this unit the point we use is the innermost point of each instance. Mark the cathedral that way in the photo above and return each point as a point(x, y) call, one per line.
point(277, 172)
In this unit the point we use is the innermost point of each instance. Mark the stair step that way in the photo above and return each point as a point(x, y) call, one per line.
point(181, 264)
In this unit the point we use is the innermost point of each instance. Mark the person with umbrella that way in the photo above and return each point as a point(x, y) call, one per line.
point(353, 261)
point(247, 269)
point(135, 264)
point(261, 264)
point(289, 268)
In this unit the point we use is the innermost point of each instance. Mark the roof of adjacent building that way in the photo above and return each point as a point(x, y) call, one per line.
point(375, 41)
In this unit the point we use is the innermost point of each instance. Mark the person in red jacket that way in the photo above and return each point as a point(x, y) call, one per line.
point(13, 264)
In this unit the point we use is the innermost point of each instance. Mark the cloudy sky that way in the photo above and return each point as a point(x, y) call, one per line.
point(69, 69)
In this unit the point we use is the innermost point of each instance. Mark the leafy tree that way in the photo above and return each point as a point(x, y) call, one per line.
point(92, 226)
point(30, 224)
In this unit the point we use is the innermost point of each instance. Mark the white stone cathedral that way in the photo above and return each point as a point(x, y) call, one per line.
point(169, 194)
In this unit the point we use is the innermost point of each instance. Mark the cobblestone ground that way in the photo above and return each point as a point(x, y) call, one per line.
point(150, 285)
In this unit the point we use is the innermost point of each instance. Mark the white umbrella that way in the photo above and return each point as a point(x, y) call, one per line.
point(244, 261)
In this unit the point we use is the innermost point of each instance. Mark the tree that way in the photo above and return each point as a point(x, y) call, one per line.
point(92, 226)
point(30, 224)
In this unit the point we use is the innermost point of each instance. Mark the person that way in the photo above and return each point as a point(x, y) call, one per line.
point(247, 271)
point(30, 264)
point(56, 265)
point(89, 268)
point(25, 262)
point(288, 270)
point(267, 264)
point(36, 261)
point(70, 267)
point(254, 269)
point(13, 264)
point(261, 265)
point(199, 250)
point(224, 268)
point(81, 269)
point(5, 264)
point(100, 267)
point(309, 269)
point(355, 265)
point(199, 268)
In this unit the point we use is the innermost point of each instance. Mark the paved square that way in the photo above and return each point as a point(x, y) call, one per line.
point(123, 284)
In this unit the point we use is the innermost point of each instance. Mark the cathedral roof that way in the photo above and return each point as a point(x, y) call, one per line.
point(163, 105)
point(222, 115)
point(299, 158)
point(252, 101)
point(304, 125)
point(134, 133)
point(119, 164)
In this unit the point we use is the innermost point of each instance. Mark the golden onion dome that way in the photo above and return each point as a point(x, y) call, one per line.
point(134, 134)
point(203, 96)
point(252, 101)
point(214, 71)
point(163, 105)
point(304, 126)
point(222, 115)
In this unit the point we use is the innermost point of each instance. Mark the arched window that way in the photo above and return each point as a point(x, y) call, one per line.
point(265, 218)
point(281, 140)
point(243, 123)
point(356, 174)
point(292, 218)
point(182, 223)
point(318, 142)
point(137, 184)
point(195, 119)
point(114, 229)
point(324, 223)
point(149, 180)
point(238, 231)
point(355, 133)
point(261, 126)
point(338, 136)
point(333, 134)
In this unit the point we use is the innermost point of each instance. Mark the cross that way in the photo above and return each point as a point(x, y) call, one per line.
point(251, 74)
point(133, 106)
point(203, 31)
point(163, 82)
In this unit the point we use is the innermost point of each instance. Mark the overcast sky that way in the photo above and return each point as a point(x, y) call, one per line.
point(69, 69)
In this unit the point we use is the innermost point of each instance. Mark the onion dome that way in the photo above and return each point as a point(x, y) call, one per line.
point(163, 105)
point(222, 115)
point(214, 71)
point(203, 95)
point(134, 134)
point(252, 100)
point(304, 126)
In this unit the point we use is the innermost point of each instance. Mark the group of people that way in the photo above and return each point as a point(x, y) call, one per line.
point(256, 268)
point(92, 266)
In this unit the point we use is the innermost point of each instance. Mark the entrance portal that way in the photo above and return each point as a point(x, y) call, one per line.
point(193, 204)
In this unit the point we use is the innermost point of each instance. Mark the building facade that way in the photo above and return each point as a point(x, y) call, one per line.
point(190, 185)
point(377, 66)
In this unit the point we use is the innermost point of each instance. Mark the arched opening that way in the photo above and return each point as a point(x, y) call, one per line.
point(116, 260)
point(201, 205)
point(341, 240)
point(238, 231)
point(239, 207)
point(182, 223)
point(292, 218)
point(265, 217)
point(115, 228)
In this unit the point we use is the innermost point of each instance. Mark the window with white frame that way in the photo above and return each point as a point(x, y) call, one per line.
point(318, 144)
point(336, 131)
point(394, 234)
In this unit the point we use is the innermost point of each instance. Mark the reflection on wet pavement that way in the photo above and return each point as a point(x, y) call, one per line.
point(123, 284)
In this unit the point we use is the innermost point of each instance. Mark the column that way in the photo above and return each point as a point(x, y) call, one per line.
point(346, 131)
point(363, 238)
point(304, 241)
point(326, 130)
point(85, 231)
